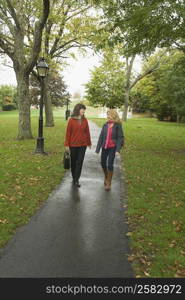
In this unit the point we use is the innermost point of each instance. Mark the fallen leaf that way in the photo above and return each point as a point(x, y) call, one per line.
point(129, 233)
point(147, 274)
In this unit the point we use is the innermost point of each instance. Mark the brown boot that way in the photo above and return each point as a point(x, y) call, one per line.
point(105, 179)
point(109, 180)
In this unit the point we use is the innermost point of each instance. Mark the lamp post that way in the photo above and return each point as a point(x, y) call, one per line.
point(67, 109)
point(42, 70)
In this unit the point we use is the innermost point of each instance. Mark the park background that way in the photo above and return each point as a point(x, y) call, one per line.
point(149, 81)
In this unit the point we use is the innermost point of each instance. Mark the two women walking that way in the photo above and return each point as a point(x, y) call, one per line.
point(77, 139)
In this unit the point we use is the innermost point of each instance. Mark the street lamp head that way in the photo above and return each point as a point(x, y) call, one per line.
point(42, 68)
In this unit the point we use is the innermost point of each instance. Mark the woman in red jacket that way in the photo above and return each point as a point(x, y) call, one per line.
point(77, 139)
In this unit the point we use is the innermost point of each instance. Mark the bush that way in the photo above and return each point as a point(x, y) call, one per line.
point(9, 107)
point(166, 113)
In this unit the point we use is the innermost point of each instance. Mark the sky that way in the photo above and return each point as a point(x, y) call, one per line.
point(76, 74)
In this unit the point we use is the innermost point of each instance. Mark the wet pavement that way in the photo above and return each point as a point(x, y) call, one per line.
point(77, 232)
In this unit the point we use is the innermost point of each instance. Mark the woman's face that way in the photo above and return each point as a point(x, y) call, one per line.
point(82, 112)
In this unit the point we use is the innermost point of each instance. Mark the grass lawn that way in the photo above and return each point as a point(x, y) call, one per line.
point(26, 179)
point(154, 168)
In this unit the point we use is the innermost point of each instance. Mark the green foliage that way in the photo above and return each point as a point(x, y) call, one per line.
point(139, 102)
point(56, 86)
point(20, 16)
point(106, 86)
point(164, 88)
point(8, 107)
point(150, 23)
point(7, 97)
point(70, 26)
point(173, 87)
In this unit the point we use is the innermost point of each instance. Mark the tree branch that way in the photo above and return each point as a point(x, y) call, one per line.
point(58, 54)
point(62, 46)
point(78, 12)
point(140, 76)
point(38, 36)
point(13, 14)
point(55, 44)
point(6, 48)
point(180, 47)
point(6, 21)
point(149, 71)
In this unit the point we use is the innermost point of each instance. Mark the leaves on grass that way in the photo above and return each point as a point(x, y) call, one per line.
point(3, 221)
point(3, 196)
point(131, 258)
point(146, 274)
point(172, 244)
point(129, 234)
point(17, 187)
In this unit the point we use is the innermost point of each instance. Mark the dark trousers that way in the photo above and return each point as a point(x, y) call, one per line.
point(107, 158)
point(77, 158)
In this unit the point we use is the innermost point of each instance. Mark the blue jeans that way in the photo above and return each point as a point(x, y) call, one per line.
point(107, 158)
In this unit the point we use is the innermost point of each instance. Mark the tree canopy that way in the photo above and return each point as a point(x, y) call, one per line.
point(145, 25)
point(163, 91)
point(106, 86)
point(56, 86)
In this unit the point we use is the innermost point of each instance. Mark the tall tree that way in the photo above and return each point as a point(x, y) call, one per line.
point(106, 86)
point(117, 37)
point(70, 25)
point(15, 18)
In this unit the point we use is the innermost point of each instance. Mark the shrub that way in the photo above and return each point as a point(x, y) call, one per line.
point(9, 107)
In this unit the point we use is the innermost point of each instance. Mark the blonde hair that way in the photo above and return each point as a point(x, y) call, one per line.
point(114, 116)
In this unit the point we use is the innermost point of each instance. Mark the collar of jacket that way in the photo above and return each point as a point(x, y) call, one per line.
point(77, 118)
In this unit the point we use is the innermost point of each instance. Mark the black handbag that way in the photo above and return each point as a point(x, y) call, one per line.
point(67, 160)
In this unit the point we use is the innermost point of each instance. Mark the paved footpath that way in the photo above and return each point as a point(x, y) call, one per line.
point(77, 232)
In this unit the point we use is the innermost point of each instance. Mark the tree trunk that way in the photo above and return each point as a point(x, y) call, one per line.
point(24, 127)
point(49, 120)
point(125, 111)
point(178, 118)
point(129, 65)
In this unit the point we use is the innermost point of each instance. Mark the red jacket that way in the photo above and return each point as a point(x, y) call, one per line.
point(77, 133)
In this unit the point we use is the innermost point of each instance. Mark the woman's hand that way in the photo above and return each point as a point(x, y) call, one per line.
point(67, 149)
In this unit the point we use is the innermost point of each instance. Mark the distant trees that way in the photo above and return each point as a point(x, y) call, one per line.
point(56, 87)
point(7, 97)
point(163, 91)
point(106, 86)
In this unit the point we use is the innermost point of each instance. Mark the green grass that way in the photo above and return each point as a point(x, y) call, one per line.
point(153, 164)
point(154, 168)
point(26, 179)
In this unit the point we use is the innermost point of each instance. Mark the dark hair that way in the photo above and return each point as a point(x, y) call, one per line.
point(76, 110)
